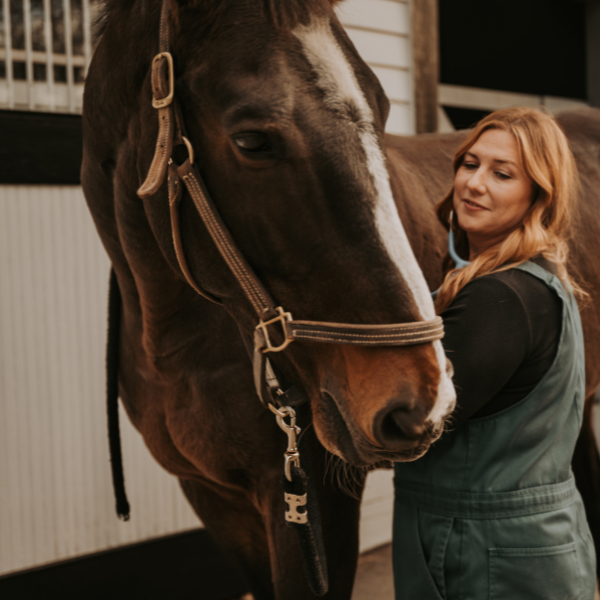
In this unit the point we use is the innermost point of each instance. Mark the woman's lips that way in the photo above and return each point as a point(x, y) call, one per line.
point(470, 205)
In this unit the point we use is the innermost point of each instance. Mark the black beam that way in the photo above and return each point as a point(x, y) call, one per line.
point(40, 148)
point(593, 51)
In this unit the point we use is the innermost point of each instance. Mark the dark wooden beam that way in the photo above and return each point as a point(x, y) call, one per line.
point(39, 148)
point(426, 63)
point(593, 51)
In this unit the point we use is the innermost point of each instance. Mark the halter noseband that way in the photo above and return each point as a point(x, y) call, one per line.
point(171, 133)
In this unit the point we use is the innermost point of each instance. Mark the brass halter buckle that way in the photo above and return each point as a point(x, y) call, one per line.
point(163, 102)
point(264, 326)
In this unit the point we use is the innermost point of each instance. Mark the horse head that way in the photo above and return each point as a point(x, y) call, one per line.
point(286, 122)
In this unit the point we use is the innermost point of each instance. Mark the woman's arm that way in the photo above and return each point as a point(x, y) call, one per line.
point(502, 333)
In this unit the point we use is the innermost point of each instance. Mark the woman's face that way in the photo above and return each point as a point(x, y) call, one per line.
point(492, 192)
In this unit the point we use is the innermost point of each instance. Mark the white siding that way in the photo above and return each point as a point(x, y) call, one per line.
point(380, 30)
point(56, 496)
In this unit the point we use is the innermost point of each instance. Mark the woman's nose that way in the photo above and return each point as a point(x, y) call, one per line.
point(476, 182)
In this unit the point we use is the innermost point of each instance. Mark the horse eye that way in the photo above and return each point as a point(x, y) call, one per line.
point(252, 142)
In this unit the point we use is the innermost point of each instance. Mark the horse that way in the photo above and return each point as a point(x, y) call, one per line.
point(286, 124)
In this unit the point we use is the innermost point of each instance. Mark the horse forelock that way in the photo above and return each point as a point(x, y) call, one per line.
point(283, 15)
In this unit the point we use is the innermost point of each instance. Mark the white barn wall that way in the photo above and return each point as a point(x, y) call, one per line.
point(381, 32)
point(55, 485)
point(56, 497)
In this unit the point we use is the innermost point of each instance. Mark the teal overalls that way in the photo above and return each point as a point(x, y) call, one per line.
point(483, 515)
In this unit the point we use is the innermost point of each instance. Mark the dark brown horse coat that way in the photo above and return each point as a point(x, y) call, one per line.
point(288, 142)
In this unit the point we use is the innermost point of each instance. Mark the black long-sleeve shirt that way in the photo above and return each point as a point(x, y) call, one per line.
point(501, 334)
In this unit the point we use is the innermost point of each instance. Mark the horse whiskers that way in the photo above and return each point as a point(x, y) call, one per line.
point(347, 478)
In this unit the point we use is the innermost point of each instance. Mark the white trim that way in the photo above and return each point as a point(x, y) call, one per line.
point(483, 99)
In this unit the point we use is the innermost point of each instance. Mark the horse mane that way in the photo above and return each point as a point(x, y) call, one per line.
point(284, 14)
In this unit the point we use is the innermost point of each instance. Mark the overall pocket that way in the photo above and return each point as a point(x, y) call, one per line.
point(550, 573)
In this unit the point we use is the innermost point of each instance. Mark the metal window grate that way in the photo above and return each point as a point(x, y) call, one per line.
point(45, 50)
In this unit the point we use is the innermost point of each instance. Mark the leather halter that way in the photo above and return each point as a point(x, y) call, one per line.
point(170, 134)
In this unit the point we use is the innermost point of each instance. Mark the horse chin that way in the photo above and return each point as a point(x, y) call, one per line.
point(354, 448)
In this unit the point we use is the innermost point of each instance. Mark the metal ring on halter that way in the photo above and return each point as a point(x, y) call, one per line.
point(189, 147)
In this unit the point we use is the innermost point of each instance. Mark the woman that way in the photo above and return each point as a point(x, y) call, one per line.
point(491, 511)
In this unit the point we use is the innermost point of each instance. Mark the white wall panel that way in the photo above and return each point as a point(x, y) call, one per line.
point(381, 32)
point(382, 15)
point(377, 510)
point(396, 83)
point(55, 486)
point(401, 118)
point(381, 48)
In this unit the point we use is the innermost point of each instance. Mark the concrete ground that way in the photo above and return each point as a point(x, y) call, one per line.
point(374, 575)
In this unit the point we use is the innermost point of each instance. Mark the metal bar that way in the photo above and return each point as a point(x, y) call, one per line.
point(28, 50)
point(49, 54)
point(87, 35)
point(69, 53)
point(8, 53)
point(38, 56)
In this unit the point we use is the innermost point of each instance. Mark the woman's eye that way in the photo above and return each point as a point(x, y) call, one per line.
point(252, 142)
point(502, 175)
point(469, 166)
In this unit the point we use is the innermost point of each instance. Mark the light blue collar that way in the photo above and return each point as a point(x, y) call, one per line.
point(458, 261)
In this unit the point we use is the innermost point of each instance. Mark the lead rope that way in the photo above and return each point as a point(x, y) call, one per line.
point(112, 396)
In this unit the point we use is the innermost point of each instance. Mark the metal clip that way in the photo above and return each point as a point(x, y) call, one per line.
point(292, 515)
point(282, 318)
point(292, 456)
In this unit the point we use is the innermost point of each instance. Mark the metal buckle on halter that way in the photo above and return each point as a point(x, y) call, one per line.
point(163, 102)
point(282, 318)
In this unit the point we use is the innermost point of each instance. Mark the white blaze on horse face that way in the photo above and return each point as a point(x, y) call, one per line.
point(336, 79)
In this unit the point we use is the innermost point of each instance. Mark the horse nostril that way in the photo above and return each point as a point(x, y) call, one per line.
point(399, 427)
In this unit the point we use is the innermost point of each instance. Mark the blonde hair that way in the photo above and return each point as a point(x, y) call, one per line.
point(548, 161)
